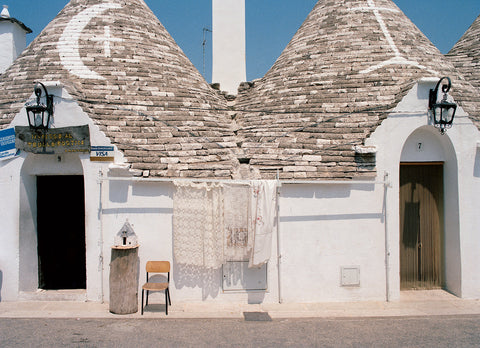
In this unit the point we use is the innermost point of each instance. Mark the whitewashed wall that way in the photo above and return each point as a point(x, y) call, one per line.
point(18, 257)
point(397, 140)
point(322, 227)
point(148, 206)
point(10, 216)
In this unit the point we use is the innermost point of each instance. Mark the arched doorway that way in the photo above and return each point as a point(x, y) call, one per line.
point(428, 212)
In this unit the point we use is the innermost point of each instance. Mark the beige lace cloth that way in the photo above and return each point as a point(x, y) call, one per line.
point(198, 224)
point(214, 223)
point(238, 235)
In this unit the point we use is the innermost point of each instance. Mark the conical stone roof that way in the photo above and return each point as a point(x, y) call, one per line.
point(350, 63)
point(126, 72)
point(465, 55)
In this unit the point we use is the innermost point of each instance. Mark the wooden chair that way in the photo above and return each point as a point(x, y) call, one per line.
point(157, 267)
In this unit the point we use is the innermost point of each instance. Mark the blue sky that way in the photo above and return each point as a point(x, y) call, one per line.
point(270, 24)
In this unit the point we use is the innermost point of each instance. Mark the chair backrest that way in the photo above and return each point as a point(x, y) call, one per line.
point(158, 267)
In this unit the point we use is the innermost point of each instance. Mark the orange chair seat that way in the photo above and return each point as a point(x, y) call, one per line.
point(155, 286)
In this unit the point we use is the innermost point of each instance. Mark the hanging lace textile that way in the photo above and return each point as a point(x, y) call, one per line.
point(238, 235)
point(262, 221)
point(215, 223)
point(198, 227)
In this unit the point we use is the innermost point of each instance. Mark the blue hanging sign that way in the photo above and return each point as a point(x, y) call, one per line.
point(7, 144)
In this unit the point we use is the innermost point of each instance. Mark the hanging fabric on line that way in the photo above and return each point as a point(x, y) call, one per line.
point(214, 223)
point(198, 224)
point(262, 222)
point(238, 235)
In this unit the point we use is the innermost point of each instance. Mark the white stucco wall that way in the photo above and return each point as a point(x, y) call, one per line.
point(320, 232)
point(148, 206)
point(18, 259)
point(324, 228)
point(464, 137)
point(457, 148)
point(9, 248)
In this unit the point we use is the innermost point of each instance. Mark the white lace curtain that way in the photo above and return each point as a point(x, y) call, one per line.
point(215, 223)
point(198, 224)
point(238, 236)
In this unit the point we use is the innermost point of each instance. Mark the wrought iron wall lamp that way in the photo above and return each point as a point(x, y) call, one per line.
point(443, 112)
point(39, 114)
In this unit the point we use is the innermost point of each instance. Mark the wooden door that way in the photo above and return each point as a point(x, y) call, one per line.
point(421, 225)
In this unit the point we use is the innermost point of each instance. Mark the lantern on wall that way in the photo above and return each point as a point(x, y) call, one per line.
point(443, 111)
point(39, 114)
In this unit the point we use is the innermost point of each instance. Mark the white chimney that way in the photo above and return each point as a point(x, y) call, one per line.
point(12, 39)
point(228, 42)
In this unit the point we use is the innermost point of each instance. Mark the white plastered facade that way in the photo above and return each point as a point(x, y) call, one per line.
point(397, 140)
point(323, 227)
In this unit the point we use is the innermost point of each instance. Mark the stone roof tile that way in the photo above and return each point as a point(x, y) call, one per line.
point(465, 55)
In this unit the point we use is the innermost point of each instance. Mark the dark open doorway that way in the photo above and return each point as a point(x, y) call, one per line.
point(61, 232)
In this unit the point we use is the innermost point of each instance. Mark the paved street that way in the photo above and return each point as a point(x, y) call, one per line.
point(431, 331)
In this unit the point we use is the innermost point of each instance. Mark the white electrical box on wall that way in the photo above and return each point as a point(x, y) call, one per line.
point(238, 277)
point(350, 276)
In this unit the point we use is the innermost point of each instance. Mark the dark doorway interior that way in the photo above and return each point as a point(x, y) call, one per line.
point(61, 232)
